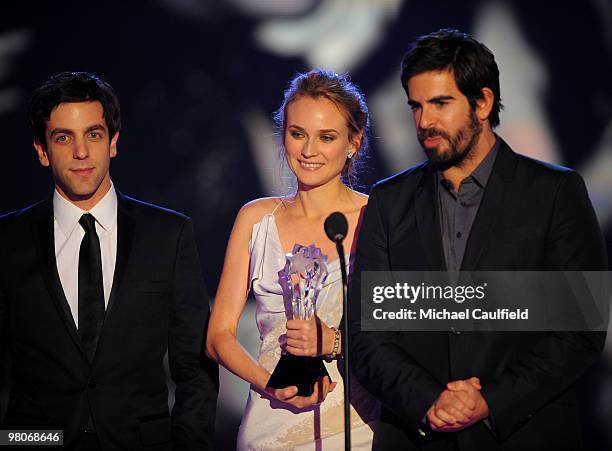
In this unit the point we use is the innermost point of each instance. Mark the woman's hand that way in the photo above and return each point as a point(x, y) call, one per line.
point(310, 337)
point(289, 394)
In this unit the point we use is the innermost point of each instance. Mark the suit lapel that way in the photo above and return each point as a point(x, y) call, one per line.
point(491, 207)
point(125, 235)
point(45, 241)
point(428, 220)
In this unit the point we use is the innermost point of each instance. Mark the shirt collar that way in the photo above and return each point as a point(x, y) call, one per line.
point(67, 214)
point(483, 171)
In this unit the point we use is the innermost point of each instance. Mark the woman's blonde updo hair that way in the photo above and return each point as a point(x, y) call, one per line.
point(345, 95)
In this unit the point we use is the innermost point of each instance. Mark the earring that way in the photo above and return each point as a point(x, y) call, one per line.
point(349, 155)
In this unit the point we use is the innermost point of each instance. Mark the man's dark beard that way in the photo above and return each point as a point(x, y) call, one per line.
point(457, 154)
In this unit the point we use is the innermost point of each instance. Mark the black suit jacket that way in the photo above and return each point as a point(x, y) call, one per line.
point(533, 216)
point(158, 303)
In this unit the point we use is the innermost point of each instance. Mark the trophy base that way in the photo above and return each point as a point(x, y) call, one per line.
point(302, 372)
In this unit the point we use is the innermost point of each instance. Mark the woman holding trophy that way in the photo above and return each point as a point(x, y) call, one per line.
point(278, 248)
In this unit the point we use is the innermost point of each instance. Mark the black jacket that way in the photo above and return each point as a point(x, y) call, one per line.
point(158, 303)
point(533, 217)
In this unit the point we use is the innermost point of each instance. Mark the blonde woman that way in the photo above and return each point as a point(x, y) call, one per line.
point(323, 121)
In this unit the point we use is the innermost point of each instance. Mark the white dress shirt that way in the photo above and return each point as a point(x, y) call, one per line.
point(68, 235)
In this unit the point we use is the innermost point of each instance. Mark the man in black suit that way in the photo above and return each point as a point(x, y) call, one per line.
point(474, 205)
point(95, 287)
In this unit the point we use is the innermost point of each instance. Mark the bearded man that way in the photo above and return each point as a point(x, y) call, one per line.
point(475, 205)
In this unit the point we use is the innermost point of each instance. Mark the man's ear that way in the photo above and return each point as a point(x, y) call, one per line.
point(41, 151)
point(484, 105)
point(113, 145)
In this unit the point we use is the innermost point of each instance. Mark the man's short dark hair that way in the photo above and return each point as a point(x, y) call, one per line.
point(72, 87)
point(471, 62)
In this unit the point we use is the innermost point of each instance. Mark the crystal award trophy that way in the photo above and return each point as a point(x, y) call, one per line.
point(302, 279)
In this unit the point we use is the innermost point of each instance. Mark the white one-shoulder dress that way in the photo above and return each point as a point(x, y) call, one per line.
point(268, 424)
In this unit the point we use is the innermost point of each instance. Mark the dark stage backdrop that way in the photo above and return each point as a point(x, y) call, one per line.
point(199, 80)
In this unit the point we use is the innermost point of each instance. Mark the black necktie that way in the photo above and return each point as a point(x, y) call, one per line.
point(91, 290)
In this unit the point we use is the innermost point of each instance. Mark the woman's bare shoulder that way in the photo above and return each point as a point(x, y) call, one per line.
point(252, 212)
point(360, 199)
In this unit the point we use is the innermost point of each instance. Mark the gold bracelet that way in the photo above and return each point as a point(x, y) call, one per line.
point(336, 348)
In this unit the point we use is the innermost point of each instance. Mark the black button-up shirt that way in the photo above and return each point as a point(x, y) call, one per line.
point(458, 209)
